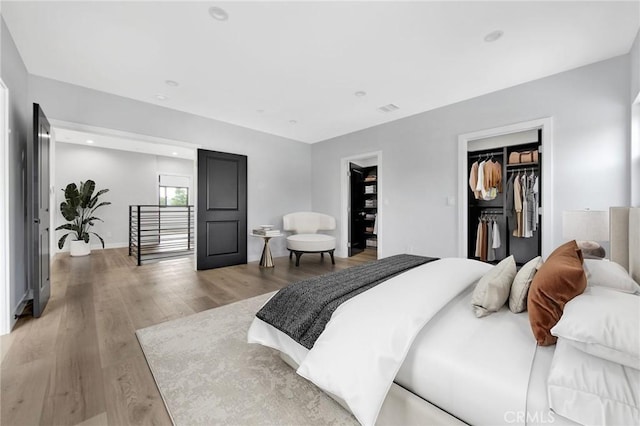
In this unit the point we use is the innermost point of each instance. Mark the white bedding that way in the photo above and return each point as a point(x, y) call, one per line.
point(476, 369)
point(485, 371)
point(361, 349)
point(457, 358)
point(592, 390)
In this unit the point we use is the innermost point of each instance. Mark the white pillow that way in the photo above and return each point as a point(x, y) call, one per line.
point(591, 390)
point(521, 284)
point(492, 291)
point(603, 273)
point(604, 323)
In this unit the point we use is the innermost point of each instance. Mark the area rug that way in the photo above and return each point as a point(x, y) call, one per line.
point(208, 374)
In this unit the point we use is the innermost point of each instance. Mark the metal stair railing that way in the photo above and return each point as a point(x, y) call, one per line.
point(160, 232)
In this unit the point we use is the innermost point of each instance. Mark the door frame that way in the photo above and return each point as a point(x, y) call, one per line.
point(5, 228)
point(343, 249)
point(547, 210)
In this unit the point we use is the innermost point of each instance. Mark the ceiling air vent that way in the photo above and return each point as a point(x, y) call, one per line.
point(388, 108)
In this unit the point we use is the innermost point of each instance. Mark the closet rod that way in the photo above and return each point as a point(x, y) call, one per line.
point(521, 169)
point(486, 154)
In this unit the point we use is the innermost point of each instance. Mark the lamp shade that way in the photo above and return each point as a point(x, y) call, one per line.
point(585, 225)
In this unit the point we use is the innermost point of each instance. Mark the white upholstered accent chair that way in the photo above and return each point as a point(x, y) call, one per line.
point(305, 238)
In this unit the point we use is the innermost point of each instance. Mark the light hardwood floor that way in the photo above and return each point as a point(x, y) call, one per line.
point(80, 363)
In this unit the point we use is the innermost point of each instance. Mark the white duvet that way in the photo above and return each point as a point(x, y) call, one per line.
point(359, 353)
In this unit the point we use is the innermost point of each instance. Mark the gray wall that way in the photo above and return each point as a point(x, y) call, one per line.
point(634, 59)
point(278, 168)
point(15, 77)
point(132, 178)
point(590, 109)
point(634, 55)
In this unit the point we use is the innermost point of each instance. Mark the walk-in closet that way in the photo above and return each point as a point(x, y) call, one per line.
point(363, 202)
point(504, 197)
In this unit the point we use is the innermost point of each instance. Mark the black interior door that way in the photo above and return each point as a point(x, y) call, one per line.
point(356, 209)
point(39, 241)
point(222, 209)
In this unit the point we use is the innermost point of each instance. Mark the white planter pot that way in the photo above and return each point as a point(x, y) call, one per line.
point(79, 248)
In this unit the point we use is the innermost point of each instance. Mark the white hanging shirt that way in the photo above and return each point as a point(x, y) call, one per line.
point(496, 236)
point(480, 185)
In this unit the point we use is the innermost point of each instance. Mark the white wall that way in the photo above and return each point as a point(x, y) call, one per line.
point(132, 178)
point(590, 109)
point(278, 168)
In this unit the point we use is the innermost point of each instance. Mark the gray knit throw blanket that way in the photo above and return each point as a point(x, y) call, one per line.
point(303, 309)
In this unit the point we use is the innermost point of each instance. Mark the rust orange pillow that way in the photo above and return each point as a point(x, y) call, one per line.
point(559, 279)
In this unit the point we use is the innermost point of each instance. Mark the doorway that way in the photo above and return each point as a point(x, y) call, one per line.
point(362, 206)
point(545, 125)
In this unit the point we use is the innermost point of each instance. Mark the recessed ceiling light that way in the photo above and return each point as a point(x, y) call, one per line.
point(172, 83)
point(493, 36)
point(218, 13)
point(259, 111)
point(89, 141)
point(293, 122)
point(161, 97)
point(174, 153)
point(360, 93)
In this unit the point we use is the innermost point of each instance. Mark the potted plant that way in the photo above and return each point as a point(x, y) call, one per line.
point(78, 209)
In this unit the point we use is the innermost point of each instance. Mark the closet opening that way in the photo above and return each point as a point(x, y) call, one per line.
point(504, 198)
point(360, 216)
point(524, 151)
point(363, 207)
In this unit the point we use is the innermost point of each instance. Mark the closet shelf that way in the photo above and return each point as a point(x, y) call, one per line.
point(512, 166)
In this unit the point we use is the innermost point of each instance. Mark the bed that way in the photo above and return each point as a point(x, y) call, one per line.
point(452, 367)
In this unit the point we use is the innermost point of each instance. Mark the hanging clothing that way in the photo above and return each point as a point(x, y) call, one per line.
point(480, 184)
point(531, 205)
point(526, 232)
point(479, 239)
point(536, 202)
point(492, 180)
point(517, 202)
point(510, 208)
point(473, 180)
point(496, 236)
point(493, 175)
point(491, 252)
point(483, 242)
point(375, 225)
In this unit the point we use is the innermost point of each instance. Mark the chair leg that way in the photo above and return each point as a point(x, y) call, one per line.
point(290, 254)
point(298, 255)
point(333, 262)
point(322, 256)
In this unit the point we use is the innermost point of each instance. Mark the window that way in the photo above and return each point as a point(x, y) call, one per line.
point(174, 196)
point(173, 190)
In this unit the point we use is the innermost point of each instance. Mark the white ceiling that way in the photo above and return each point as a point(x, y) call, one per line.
point(97, 140)
point(303, 61)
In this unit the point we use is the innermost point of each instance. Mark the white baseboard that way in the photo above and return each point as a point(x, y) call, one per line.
point(18, 309)
point(65, 249)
